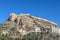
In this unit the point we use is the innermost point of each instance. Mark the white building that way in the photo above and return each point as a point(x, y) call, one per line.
point(37, 29)
point(23, 32)
point(59, 31)
point(54, 29)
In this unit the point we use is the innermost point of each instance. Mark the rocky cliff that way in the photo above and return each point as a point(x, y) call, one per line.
point(23, 24)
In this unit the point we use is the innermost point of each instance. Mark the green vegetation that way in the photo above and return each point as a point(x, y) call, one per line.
point(41, 36)
point(14, 28)
point(5, 37)
point(32, 36)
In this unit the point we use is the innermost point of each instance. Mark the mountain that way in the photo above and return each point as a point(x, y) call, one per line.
point(22, 26)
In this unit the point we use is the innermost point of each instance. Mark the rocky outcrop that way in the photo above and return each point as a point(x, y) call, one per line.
point(25, 24)
point(26, 19)
point(12, 17)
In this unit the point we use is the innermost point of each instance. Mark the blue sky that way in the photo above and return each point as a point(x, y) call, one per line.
point(47, 9)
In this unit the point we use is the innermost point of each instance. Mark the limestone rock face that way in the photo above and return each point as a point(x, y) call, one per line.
point(26, 21)
point(13, 16)
point(22, 19)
